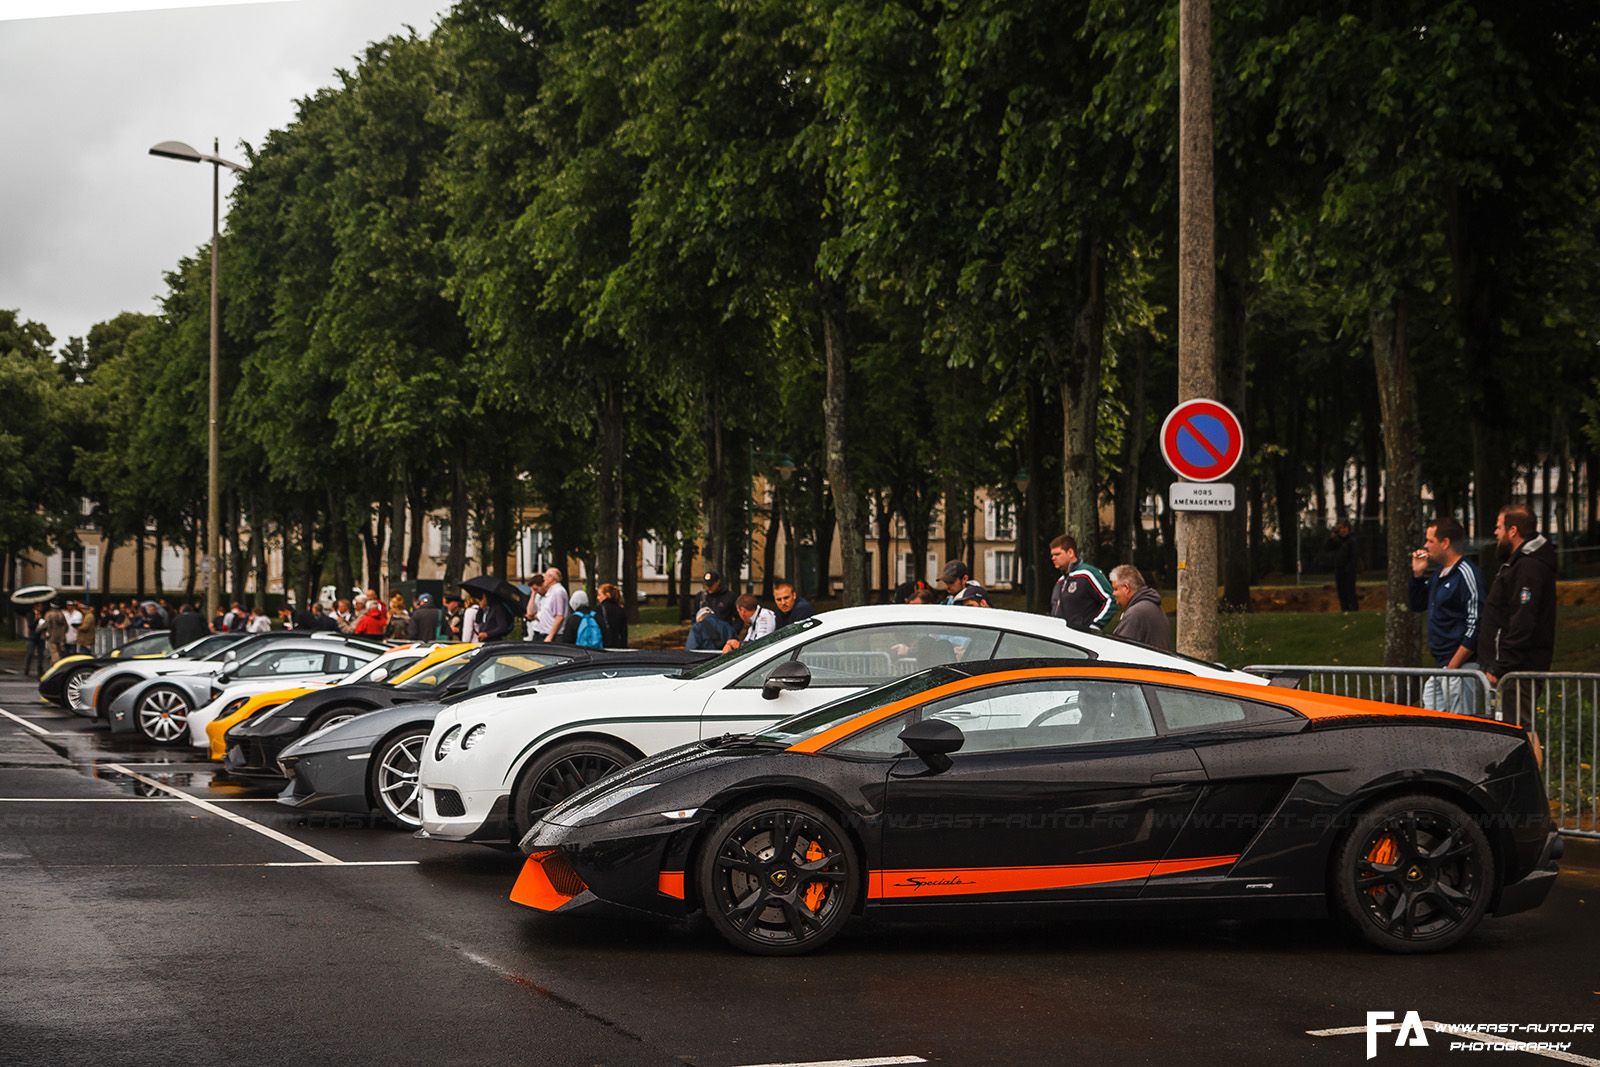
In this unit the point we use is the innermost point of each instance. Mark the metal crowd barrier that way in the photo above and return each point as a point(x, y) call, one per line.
point(107, 639)
point(1563, 710)
point(1463, 692)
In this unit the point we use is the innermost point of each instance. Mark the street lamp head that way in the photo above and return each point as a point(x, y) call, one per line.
point(177, 150)
point(786, 466)
point(1022, 480)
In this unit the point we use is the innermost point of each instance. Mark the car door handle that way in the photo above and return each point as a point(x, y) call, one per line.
point(1163, 777)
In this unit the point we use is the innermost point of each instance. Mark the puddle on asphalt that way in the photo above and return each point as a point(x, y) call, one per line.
point(186, 770)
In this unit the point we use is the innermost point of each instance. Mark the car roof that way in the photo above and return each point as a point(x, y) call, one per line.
point(1313, 706)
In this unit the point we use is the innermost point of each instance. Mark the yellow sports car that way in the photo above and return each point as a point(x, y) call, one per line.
point(210, 731)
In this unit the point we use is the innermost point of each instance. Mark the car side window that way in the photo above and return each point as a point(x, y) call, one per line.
point(281, 663)
point(1184, 709)
point(341, 664)
point(1030, 646)
point(510, 666)
point(1053, 713)
point(873, 655)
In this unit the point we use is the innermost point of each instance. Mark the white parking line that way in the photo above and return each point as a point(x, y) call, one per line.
point(204, 805)
point(1465, 1035)
point(20, 721)
point(874, 1062)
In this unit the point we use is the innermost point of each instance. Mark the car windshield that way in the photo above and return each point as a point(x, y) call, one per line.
point(809, 723)
point(438, 674)
point(748, 650)
point(149, 645)
point(203, 647)
point(391, 666)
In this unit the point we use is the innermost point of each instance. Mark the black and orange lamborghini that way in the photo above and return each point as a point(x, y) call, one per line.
point(1033, 789)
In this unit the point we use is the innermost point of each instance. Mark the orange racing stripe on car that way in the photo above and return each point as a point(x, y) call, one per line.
point(827, 737)
point(970, 881)
point(670, 883)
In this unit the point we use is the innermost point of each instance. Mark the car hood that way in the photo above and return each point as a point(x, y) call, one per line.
point(622, 695)
point(662, 769)
point(361, 731)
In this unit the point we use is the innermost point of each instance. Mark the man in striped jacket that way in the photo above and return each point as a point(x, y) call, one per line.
point(1082, 595)
point(1452, 598)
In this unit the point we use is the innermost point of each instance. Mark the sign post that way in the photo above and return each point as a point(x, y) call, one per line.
point(1202, 441)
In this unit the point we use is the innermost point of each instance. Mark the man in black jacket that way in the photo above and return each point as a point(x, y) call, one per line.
point(1519, 615)
point(187, 626)
point(717, 597)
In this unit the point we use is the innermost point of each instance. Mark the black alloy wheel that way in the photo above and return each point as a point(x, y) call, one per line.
point(778, 878)
point(1415, 874)
point(559, 773)
point(162, 715)
point(392, 777)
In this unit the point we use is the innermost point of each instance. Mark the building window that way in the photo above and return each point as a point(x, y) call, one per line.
point(999, 521)
point(1001, 567)
point(72, 568)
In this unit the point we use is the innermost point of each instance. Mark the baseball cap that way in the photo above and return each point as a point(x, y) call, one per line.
point(970, 594)
point(953, 570)
point(711, 576)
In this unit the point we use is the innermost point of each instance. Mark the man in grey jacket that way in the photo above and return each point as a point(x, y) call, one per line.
point(1142, 618)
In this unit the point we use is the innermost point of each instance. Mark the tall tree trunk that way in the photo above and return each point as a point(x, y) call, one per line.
point(631, 537)
point(455, 560)
point(1398, 402)
point(847, 500)
point(1031, 557)
point(714, 490)
point(419, 528)
point(310, 566)
point(1127, 502)
point(161, 580)
point(954, 515)
point(1476, 226)
point(373, 528)
point(138, 562)
point(339, 546)
point(608, 479)
point(826, 527)
point(886, 543)
point(1078, 378)
point(686, 576)
point(191, 566)
point(397, 533)
point(258, 552)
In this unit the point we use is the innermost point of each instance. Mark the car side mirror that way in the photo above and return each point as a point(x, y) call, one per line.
point(454, 688)
point(932, 741)
point(378, 675)
point(790, 674)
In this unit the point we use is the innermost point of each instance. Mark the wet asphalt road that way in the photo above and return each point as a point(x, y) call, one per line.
point(137, 928)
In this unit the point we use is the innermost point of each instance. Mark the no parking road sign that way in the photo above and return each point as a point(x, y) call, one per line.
point(1201, 440)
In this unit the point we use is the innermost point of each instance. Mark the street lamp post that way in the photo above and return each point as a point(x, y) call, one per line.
point(213, 577)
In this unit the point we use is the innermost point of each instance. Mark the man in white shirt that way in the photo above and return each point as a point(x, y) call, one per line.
point(74, 620)
point(553, 607)
point(758, 621)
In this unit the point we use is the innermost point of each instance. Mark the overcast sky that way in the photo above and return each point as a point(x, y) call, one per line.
point(89, 219)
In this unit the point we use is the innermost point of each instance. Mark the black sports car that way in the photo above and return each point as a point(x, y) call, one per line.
point(68, 673)
point(370, 762)
point(1026, 788)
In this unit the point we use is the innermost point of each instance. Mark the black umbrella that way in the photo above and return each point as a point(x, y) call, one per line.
point(499, 588)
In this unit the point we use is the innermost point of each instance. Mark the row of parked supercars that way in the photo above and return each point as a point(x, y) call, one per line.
point(909, 762)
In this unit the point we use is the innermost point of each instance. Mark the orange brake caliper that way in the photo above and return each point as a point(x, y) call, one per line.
point(1385, 851)
point(816, 891)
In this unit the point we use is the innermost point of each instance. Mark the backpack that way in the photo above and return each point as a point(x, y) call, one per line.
point(589, 631)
